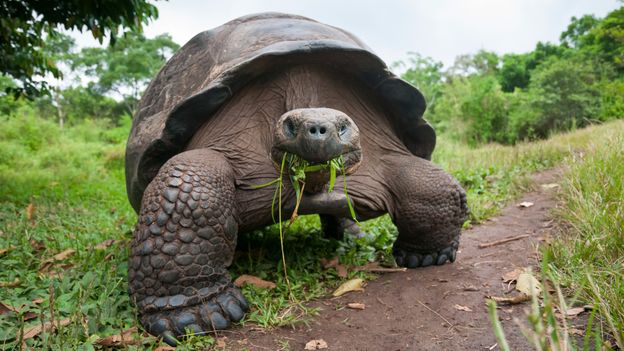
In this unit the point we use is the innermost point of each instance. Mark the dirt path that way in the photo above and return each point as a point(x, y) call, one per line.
point(415, 310)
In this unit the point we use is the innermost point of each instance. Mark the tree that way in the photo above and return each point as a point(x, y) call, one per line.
point(126, 67)
point(577, 30)
point(516, 69)
point(607, 39)
point(425, 74)
point(482, 63)
point(26, 24)
point(564, 95)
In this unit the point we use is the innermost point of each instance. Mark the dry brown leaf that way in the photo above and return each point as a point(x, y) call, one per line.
point(316, 344)
point(341, 270)
point(30, 211)
point(47, 327)
point(513, 300)
point(329, 263)
point(356, 305)
point(105, 244)
point(4, 309)
point(512, 276)
point(575, 331)
point(462, 308)
point(221, 343)
point(63, 255)
point(574, 311)
point(14, 283)
point(550, 186)
point(349, 285)
point(29, 315)
point(165, 348)
point(3, 251)
point(525, 204)
point(126, 337)
point(38, 301)
point(528, 285)
point(255, 281)
point(37, 245)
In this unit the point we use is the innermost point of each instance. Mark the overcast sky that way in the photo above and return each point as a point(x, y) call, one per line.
point(441, 29)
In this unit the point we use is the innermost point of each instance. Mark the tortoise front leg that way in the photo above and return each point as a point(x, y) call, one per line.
point(183, 243)
point(428, 207)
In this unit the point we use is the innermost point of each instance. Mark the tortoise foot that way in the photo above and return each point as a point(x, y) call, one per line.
point(406, 256)
point(216, 313)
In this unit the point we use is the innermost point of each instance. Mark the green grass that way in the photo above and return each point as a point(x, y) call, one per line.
point(74, 180)
point(589, 259)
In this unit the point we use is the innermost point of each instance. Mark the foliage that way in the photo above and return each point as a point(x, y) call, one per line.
point(25, 25)
point(562, 95)
point(575, 34)
point(126, 67)
point(482, 63)
point(425, 74)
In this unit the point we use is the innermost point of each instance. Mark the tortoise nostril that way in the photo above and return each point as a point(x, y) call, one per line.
point(313, 130)
point(343, 129)
point(323, 130)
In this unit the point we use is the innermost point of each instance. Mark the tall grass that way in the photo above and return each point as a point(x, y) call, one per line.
point(588, 260)
point(493, 174)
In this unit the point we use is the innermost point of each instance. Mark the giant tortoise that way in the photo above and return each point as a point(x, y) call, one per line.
point(217, 121)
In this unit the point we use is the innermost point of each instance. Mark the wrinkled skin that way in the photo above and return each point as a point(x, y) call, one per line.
point(203, 198)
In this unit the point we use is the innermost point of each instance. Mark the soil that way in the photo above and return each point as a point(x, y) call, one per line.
point(421, 309)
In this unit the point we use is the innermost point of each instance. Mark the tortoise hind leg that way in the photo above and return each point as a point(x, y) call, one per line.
point(336, 227)
point(183, 243)
point(429, 208)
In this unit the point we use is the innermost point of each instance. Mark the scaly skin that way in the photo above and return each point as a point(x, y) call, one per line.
point(182, 246)
point(429, 210)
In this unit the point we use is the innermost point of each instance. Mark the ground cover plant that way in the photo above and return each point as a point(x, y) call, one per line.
point(66, 224)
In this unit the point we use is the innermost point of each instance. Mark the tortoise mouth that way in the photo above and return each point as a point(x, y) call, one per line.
point(318, 174)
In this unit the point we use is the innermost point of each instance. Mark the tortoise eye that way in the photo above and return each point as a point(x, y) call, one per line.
point(343, 129)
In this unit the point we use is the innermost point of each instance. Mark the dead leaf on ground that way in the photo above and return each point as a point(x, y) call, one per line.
point(124, 338)
point(349, 285)
point(334, 263)
point(550, 186)
point(30, 211)
point(105, 244)
point(255, 281)
point(512, 300)
point(575, 331)
point(316, 344)
point(574, 311)
point(525, 204)
point(221, 343)
point(528, 285)
point(356, 306)
point(329, 263)
point(4, 309)
point(14, 283)
point(64, 255)
point(47, 327)
point(37, 245)
point(512, 276)
point(462, 308)
point(470, 287)
point(165, 348)
point(5, 250)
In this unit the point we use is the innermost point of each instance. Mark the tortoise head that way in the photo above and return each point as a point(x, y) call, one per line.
point(317, 135)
